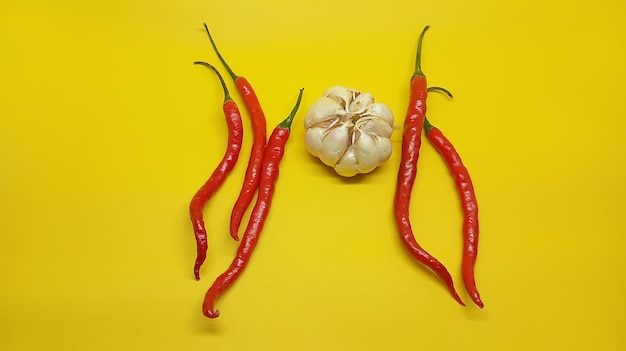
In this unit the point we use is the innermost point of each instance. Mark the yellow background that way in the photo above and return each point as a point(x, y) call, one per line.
point(107, 130)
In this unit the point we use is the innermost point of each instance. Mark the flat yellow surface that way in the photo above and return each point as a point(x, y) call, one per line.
point(107, 130)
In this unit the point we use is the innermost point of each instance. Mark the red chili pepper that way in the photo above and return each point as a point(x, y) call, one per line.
point(251, 181)
point(206, 191)
point(468, 201)
point(411, 142)
point(271, 160)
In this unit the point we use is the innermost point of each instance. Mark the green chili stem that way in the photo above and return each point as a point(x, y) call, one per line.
point(286, 123)
point(427, 126)
point(441, 90)
point(219, 55)
point(226, 93)
point(418, 57)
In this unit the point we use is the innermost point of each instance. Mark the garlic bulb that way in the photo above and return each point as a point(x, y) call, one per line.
point(349, 131)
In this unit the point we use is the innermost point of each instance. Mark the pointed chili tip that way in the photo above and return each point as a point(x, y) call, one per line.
point(286, 123)
point(196, 273)
point(211, 313)
point(477, 300)
point(458, 299)
point(234, 228)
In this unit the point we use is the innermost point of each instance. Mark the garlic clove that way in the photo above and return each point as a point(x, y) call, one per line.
point(347, 165)
point(334, 144)
point(314, 140)
point(321, 111)
point(381, 110)
point(384, 149)
point(341, 94)
point(366, 153)
point(360, 104)
point(377, 126)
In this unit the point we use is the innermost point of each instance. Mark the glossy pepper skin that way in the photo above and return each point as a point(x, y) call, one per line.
point(411, 143)
point(469, 205)
point(271, 161)
point(208, 189)
point(259, 126)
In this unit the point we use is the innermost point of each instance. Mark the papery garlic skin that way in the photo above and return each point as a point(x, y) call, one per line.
point(347, 130)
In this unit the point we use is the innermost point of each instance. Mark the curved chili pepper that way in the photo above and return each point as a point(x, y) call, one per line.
point(206, 191)
point(271, 160)
point(251, 181)
point(469, 204)
point(411, 142)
